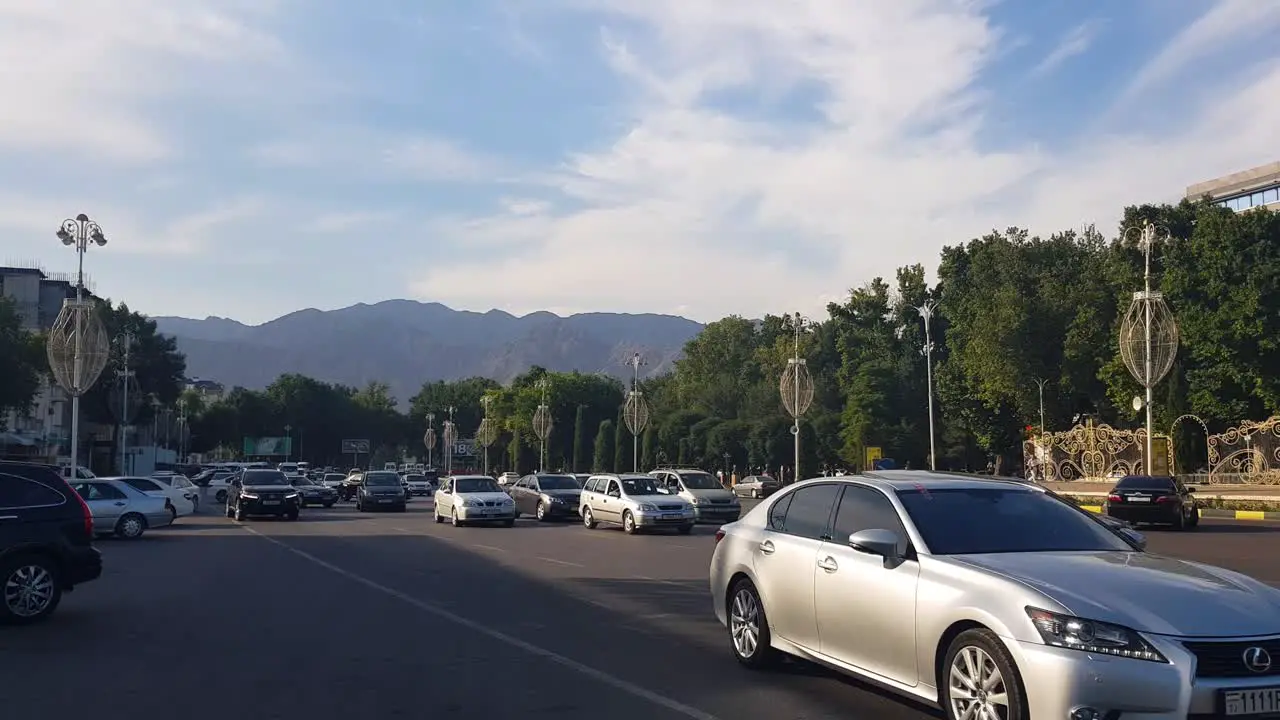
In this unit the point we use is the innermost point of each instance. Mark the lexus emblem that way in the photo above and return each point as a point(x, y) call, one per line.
point(1257, 659)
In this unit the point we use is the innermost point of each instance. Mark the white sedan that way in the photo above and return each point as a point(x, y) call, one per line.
point(181, 501)
point(468, 499)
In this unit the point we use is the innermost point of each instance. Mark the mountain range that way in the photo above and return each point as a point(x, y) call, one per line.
point(405, 343)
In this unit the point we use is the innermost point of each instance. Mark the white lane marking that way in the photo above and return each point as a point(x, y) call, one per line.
point(488, 547)
point(560, 562)
point(598, 675)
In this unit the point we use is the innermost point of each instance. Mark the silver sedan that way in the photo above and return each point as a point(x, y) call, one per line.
point(992, 600)
point(120, 509)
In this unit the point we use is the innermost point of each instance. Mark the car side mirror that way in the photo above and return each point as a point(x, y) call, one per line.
point(877, 542)
point(1138, 539)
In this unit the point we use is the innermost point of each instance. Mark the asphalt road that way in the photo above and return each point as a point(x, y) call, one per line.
point(343, 615)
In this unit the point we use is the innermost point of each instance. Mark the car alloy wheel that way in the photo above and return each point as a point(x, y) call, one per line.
point(976, 683)
point(628, 523)
point(542, 510)
point(131, 526)
point(29, 591)
point(744, 622)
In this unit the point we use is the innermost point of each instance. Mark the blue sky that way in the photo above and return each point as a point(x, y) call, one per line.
point(248, 158)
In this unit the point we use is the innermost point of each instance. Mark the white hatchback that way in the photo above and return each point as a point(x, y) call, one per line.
point(467, 499)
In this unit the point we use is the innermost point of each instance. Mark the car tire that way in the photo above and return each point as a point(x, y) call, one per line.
point(228, 511)
point(131, 526)
point(748, 626)
point(588, 519)
point(629, 523)
point(755, 494)
point(685, 529)
point(1180, 522)
point(541, 511)
point(981, 648)
point(1195, 519)
point(173, 514)
point(38, 575)
point(453, 518)
point(239, 516)
point(436, 512)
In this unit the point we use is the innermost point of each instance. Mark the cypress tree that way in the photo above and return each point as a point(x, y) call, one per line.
point(580, 439)
point(604, 447)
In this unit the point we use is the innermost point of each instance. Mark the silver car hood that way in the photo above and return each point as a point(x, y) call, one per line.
point(1151, 593)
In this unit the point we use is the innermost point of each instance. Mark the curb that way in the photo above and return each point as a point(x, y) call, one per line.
point(1211, 513)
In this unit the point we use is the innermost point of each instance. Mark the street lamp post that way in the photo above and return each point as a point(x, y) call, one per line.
point(429, 438)
point(636, 412)
point(542, 425)
point(450, 439)
point(78, 346)
point(727, 475)
point(926, 314)
point(125, 340)
point(487, 433)
point(288, 442)
point(1040, 383)
point(1148, 334)
point(796, 388)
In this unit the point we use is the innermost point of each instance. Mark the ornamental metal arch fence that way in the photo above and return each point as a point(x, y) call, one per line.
point(1248, 453)
point(1092, 451)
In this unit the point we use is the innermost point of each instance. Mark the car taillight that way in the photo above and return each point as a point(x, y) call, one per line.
point(1114, 498)
point(1166, 499)
point(719, 535)
point(86, 513)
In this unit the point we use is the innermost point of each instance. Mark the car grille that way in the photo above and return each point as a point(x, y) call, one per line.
point(271, 495)
point(719, 502)
point(488, 503)
point(670, 507)
point(1226, 659)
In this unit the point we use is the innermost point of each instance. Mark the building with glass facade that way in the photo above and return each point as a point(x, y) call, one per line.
point(1259, 187)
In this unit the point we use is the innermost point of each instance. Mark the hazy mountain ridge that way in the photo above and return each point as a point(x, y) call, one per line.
point(405, 343)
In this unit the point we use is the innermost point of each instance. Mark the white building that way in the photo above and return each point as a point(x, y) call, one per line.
point(1259, 187)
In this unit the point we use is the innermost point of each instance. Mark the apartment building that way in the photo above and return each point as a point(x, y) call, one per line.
point(1245, 190)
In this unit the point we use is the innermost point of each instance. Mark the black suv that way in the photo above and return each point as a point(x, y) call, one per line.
point(262, 492)
point(46, 541)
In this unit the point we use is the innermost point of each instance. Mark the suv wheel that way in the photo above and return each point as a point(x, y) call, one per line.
point(29, 589)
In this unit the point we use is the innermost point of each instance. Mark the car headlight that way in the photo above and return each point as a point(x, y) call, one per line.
point(248, 496)
point(694, 501)
point(1066, 631)
point(648, 507)
point(468, 502)
point(291, 496)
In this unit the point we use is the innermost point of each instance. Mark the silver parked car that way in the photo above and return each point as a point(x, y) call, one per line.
point(756, 486)
point(121, 510)
point(634, 502)
point(993, 600)
point(711, 501)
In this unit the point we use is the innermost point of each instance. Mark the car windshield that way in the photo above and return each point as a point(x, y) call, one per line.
point(264, 477)
point(639, 486)
point(476, 485)
point(381, 478)
point(558, 482)
point(963, 521)
point(1141, 482)
point(700, 481)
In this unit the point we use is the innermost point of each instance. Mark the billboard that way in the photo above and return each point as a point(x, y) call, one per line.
point(281, 446)
point(355, 447)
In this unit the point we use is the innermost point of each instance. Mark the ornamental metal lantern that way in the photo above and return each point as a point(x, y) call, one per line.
point(796, 388)
point(635, 413)
point(1148, 335)
point(450, 440)
point(429, 439)
point(486, 436)
point(78, 347)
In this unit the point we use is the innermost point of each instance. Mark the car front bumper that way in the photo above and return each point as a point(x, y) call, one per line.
point(1058, 681)
point(258, 506)
point(650, 518)
point(717, 513)
point(467, 513)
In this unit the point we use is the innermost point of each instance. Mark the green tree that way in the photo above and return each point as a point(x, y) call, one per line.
point(22, 362)
point(603, 459)
point(581, 439)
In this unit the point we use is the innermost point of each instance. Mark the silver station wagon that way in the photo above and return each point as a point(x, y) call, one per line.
point(635, 503)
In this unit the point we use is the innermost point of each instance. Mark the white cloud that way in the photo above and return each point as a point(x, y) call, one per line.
point(75, 75)
point(696, 207)
point(373, 155)
point(1077, 41)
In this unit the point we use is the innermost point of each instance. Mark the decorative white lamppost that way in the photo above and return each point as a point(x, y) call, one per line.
point(542, 425)
point(429, 438)
point(796, 389)
point(1148, 334)
point(926, 313)
point(487, 433)
point(78, 346)
point(636, 412)
point(450, 439)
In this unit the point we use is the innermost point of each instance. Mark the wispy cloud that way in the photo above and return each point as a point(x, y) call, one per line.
point(1076, 42)
point(386, 156)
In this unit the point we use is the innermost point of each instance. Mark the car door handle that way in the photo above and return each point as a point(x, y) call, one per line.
point(121, 504)
point(828, 563)
point(767, 547)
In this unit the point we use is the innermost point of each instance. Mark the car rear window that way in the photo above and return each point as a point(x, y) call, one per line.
point(1144, 482)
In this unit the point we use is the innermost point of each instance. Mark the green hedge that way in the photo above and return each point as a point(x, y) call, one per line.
point(1205, 501)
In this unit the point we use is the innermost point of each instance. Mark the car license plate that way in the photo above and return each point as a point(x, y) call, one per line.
point(1256, 701)
point(386, 502)
point(670, 516)
point(1140, 499)
point(270, 502)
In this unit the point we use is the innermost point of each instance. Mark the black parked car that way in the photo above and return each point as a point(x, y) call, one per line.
point(1160, 500)
point(546, 497)
point(263, 492)
point(382, 490)
point(46, 542)
point(313, 493)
